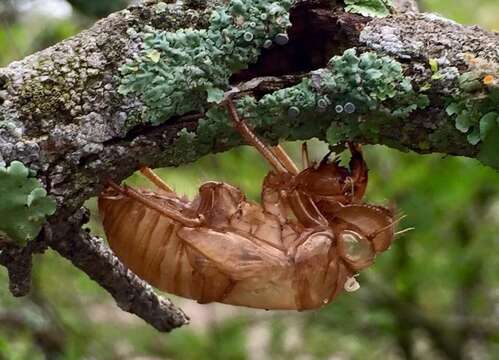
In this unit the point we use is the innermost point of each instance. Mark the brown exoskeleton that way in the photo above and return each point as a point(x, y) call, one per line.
point(299, 249)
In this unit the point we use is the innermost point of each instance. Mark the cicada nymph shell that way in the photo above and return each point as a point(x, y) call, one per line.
point(298, 249)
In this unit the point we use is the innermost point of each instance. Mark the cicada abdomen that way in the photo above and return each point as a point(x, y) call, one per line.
point(149, 244)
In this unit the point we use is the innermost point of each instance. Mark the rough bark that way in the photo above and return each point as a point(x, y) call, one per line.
point(61, 113)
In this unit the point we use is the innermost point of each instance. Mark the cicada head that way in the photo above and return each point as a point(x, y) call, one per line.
point(363, 231)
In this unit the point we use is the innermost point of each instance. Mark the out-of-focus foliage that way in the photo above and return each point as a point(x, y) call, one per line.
point(481, 12)
point(26, 27)
point(98, 9)
point(434, 295)
point(8, 13)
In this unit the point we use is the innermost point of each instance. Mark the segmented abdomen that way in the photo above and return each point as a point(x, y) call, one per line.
point(147, 243)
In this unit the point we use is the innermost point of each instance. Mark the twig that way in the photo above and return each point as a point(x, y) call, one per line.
point(18, 261)
point(92, 256)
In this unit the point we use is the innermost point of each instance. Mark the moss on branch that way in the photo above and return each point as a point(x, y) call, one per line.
point(376, 8)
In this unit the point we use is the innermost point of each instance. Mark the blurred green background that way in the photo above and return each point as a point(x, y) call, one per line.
point(434, 295)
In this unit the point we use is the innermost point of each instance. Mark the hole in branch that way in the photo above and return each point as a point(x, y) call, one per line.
point(315, 36)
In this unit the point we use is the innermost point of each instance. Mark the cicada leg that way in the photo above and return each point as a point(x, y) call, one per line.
point(275, 155)
point(253, 140)
point(359, 172)
point(162, 209)
point(155, 179)
point(300, 204)
point(305, 158)
point(284, 158)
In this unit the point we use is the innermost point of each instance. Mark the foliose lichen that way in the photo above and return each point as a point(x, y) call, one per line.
point(474, 107)
point(353, 95)
point(178, 72)
point(371, 83)
point(374, 8)
point(24, 204)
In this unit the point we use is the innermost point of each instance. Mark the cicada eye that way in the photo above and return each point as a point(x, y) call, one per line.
point(355, 247)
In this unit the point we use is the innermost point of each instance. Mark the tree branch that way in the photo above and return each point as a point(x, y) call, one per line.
point(18, 261)
point(61, 113)
point(132, 294)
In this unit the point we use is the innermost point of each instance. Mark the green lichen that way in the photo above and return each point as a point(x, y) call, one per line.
point(374, 8)
point(177, 72)
point(475, 110)
point(369, 82)
point(354, 95)
point(24, 204)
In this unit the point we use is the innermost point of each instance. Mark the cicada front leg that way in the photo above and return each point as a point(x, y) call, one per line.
point(253, 140)
point(279, 198)
point(285, 159)
point(358, 171)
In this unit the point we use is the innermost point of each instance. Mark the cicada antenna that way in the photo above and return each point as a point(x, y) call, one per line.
point(377, 232)
point(404, 231)
point(401, 217)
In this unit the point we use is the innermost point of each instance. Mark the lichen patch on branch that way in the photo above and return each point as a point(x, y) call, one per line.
point(177, 72)
point(336, 98)
point(474, 106)
point(24, 204)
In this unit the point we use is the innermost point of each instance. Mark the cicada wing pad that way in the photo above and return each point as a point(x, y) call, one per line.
point(208, 282)
point(237, 256)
